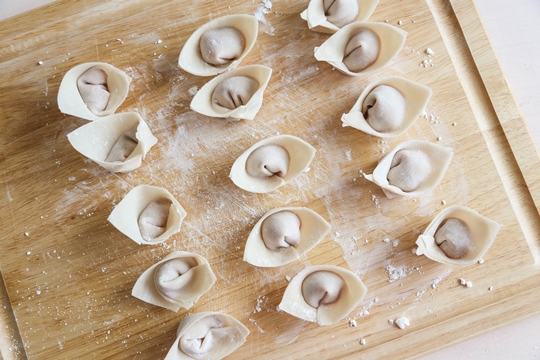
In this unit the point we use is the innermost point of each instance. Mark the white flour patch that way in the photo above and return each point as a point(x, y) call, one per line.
point(162, 65)
point(178, 157)
point(290, 334)
point(366, 308)
point(438, 279)
point(264, 9)
point(259, 329)
point(397, 272)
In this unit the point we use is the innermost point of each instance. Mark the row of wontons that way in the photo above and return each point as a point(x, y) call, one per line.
point(272, 163)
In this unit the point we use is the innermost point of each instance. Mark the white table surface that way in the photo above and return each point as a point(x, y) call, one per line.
point(513, 27)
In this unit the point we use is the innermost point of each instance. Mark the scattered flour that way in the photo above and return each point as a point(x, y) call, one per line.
point(264, 9)
point(398, 272)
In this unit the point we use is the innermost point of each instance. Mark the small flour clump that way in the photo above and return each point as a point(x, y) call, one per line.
point(402, 322)
point(465, 283)
point(396, 273)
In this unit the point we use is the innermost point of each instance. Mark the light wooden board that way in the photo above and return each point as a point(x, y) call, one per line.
point(70, 279)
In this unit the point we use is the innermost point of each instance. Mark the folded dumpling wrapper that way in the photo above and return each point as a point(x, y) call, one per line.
point(203, 104)
point(224, 339)
point(192, 284)
point(126, 214)
point(190, 56)
point(300, 155)
point(439, 158)
point(416, 98)
point(317, 20)
point(481, 229)
point(96, 139)
point(352, 294)
point(391, 40)
point(70, 100)
point(313, 228)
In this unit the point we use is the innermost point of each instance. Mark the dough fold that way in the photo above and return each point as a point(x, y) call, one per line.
point(221, 45)
point(281, 230)
point(153, 219)
point(362, 50)
point(267, 161)
point(92, 85)
point(340, 12)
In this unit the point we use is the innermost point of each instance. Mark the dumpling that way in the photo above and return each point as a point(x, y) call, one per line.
point(457, 236)
point(271, 163)
point(328, 16)
point(388, 107)
point(117, 142)
point(148, 215)
point(179, 280)
point(207, 335)
point(413, 168)
point(222, 45)
point(236, 94)
point(283, 235)
point(92, 90)
point(153, 219)
point(219, 45)
point(454, 239)
point(324, 294)
point(361, 47)
point(92, 85)
point(362, 50)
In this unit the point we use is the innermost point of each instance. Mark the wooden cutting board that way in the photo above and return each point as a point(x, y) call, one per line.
point(69, 273)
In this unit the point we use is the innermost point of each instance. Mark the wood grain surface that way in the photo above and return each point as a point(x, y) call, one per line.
point(69, 273)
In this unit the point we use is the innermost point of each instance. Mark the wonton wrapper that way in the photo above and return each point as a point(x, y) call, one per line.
point(300, 155)
point(439, 158)
point(481, 229)
point(96, 139)
point(125, 215)
point(203, 104)
point(391, 40)
point(313, 228)
point(351, 295)
point(190, 57)
point(316, 18)
point(70, 100)
point(196, 282)
point(416, 98)
point(233, 335)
